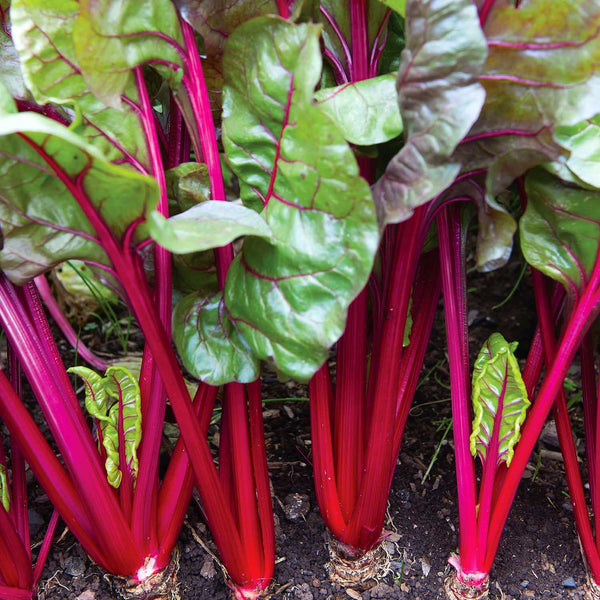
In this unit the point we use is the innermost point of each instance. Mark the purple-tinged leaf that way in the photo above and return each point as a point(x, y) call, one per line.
point(499, 399)
point(440, 99)
point(210, 345)
point(43, 34)
point(541, 73)
point(43, 166)
point(215, 21)
point(560, 229)
point(289, 298)
point(113, 38)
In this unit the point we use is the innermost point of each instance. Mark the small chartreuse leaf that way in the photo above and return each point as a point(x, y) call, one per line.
point(43, 33)
point(398, 5)
point(499, 401)
point(560, 229)
point(80, 281)
point(105, 398)
point(112, 38)
point(7, 103)
point(210, 224)
point(440, 99)
point(211, 347)
point(4, 488)
point(46, 171)
point(365, 112)
point(289, 296)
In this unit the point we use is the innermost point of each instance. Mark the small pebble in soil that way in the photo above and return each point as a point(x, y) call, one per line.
point(75, 566)
point(86, 595)
point(296, 506)
point(569, 582)
point(524, 583)
point(208, 570)
point(302, 592)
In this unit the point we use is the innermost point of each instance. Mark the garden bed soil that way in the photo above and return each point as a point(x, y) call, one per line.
point(539, 556)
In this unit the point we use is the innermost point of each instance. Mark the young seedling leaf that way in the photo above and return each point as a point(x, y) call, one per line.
point(207, 225)
point(289, 297)
point(365, 112)
point(440, 99)
point(560, 229)
point(499, 401)
point(45, 170)
point(43, 34)
point(105, 398)
point(211, 347)
point(112, 38)
point(4, 488)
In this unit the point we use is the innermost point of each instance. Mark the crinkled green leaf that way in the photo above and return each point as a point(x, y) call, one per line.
point(105, 397)
point(210, 224)
point(541, 73)
point(560, 229)
point(111, 38)
point(4, 488)
point(365, 112)
point(499, 400)
point(215, 23)
point(10, 67)
point(210, 345)
point(440, 99)
point(43, 32)
point(42, 223)
point(289, 297)
point(583, 141)
point(187, 185)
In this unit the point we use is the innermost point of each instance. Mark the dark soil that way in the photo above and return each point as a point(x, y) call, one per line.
point(539, 555)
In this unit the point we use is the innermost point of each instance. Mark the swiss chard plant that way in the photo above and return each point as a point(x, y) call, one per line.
point(98, 100)
point(527, 109)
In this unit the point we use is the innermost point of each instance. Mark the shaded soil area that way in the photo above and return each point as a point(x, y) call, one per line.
point(539, 556)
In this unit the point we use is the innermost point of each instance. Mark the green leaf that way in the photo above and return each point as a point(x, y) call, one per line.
point(583, 141)
point(112, 38)
point(10, 67)
point(215, 25)
point(4, 488)
point(187, 185)
point(105, 397)
point(499, 400)
point(7, 104)
point(43, 34)
point(42, 164)
point(210, 345)
point(560, 229)
point(79, 280)
point(207, 225)
point(365, 112)
point(289, 297)
point(440, 99)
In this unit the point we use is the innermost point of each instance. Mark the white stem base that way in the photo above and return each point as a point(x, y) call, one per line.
point(457, 590)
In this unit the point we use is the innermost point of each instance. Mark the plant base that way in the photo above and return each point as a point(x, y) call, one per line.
point(354, 568)
point(161, 585)
point(457, 590)
point(592, 590)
